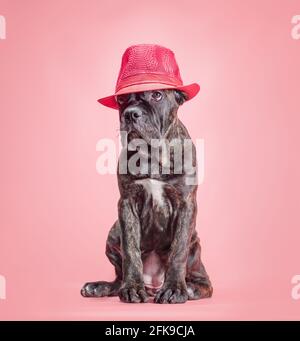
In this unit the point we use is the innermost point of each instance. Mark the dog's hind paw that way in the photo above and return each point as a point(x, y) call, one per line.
point(197, 291)
point(100, 289)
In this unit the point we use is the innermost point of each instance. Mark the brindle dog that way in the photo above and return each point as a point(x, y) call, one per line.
point(153, 245)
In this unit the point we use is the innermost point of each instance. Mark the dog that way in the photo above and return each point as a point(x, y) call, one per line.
point(154, 245)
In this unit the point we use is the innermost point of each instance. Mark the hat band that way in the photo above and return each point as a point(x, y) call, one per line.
point(146, 78)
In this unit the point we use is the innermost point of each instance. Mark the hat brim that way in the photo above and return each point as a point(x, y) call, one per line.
point(191, 91)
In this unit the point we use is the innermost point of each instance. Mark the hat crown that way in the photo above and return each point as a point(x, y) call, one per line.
point(148, 59)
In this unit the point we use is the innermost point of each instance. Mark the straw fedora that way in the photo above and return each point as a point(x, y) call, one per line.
point(148, 67)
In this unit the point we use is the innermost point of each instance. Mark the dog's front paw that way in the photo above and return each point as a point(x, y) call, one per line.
point(133, 294)
point(172, 293)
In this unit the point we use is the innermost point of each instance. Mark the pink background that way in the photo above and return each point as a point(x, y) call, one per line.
point(58, 59)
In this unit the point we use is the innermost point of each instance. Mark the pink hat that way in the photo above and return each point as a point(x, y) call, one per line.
point(148, 67)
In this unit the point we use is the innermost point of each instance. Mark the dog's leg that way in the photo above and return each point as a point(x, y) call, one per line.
point(113, 253)
point(197, 279)
point(132, 289)
point(174, 289)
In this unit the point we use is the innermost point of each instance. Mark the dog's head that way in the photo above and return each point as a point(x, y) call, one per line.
point(148, 115)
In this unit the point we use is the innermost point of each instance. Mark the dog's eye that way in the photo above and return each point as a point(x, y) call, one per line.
point(121, 99)
point(157, 96)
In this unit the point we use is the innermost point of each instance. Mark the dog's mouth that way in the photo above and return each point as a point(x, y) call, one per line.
point(133, 134)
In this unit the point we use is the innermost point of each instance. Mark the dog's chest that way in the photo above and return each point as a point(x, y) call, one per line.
point(156, 210)
point(154, 190)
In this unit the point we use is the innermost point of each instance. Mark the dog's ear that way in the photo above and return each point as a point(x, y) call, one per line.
point(180, 96)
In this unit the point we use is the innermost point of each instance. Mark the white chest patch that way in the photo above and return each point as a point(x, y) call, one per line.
point(153, 188)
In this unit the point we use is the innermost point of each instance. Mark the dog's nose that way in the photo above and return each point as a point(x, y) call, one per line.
point(132, 114)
